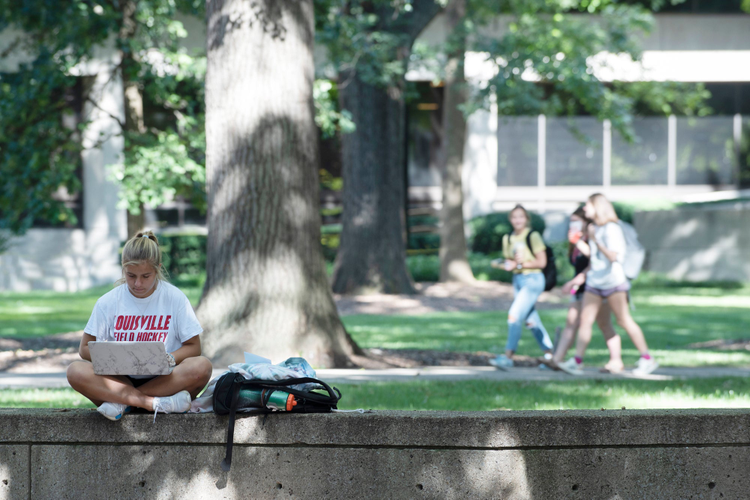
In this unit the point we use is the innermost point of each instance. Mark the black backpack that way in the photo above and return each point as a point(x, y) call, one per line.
point(227, 397)
point(550, 270)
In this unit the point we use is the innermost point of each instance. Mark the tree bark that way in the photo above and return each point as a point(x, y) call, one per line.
point(372, 253)
point(454, 264)
point(266, 289)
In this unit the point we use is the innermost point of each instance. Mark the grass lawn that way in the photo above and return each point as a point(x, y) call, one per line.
point(671, 317)
point(481, 395)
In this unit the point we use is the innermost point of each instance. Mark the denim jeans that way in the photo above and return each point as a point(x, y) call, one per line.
point(527, 288)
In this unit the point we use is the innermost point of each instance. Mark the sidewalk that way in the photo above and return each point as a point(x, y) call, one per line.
point(430, 373)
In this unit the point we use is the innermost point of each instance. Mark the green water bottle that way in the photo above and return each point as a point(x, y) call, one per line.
point(277, 400)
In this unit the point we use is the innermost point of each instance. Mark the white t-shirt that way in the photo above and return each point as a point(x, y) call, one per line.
point(605, 274)
point(166, 316)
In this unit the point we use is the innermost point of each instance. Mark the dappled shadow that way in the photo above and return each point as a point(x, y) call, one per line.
point(266, 14)
point(698, 243)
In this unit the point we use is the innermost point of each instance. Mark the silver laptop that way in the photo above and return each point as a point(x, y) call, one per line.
point(129, 358)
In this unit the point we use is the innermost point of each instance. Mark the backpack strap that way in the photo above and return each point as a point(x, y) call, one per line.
point(226, 464)
point(528, 243)
point(334, 395)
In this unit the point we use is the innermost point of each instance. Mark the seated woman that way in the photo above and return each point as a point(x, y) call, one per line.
point(120, 315)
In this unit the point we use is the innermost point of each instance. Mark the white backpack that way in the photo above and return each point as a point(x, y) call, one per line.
point(635, 254)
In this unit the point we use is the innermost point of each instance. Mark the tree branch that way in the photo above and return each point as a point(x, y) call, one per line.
point(115, 118)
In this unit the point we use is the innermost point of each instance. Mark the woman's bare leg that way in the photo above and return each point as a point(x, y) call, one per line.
point(191, 375)
point(614, 343)
point(568, 333)
point(589, 311)
point(105, 388)
point(618, 301)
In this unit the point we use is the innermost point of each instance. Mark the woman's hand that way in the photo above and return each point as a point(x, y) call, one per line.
point(584, 248)
point(509, 264)
point(577, 281)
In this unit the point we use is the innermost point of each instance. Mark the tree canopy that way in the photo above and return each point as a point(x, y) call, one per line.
point(40, 148)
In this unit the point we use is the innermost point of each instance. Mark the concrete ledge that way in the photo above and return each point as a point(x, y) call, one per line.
point(550, 454)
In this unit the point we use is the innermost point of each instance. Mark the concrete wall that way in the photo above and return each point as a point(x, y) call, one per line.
point(552, 454)
point(698, 243)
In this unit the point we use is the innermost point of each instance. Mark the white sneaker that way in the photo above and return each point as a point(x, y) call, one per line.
point(113, 411)
point(177, 403)
point(571, 367)
point(645, 366)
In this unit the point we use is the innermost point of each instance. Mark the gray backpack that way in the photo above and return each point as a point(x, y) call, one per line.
point(635, 254)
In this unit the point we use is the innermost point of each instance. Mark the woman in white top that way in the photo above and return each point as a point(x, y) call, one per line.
point(144, 307)
point(605, 279)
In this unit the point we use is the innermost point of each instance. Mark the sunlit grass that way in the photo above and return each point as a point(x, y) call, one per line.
point(569, 395)
point(483, 395)
point(673, 316)
point(43, 398)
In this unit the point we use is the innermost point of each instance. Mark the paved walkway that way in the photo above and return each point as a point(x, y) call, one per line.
point(457, 373)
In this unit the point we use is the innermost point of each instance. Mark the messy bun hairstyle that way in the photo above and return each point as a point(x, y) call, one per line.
point(143, 247)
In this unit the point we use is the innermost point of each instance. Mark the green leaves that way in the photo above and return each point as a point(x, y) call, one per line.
point(157, 169)
point(40, 149)
point(39, 154)
point(327, 116)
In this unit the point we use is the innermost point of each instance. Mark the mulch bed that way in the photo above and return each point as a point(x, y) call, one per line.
point(417, 358)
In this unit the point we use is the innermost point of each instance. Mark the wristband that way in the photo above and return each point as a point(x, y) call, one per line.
point(172, 361)
point(519, 266)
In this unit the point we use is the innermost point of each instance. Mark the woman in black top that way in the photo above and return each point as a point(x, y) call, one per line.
point(578, 254)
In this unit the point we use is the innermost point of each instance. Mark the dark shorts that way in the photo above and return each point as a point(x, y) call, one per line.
point(137, 382)
point(606, 292)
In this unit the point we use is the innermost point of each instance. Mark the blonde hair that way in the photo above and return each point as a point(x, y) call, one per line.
point(605, 212)
point(525, 213)
point(143, 247)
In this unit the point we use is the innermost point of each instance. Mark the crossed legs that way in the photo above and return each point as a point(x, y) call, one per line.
point(192, 375)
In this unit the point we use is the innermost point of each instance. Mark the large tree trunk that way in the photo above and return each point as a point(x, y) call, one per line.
point(266, 289)
point(372, 254)
point(454, 264)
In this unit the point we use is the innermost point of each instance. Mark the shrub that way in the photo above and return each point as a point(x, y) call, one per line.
point(330, 237)
point(624, 211)
point(423, 241)
point(183, 255)
point(424, 267)
point(487, 231)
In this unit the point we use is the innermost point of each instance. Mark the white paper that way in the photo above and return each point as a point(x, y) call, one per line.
point(254, 358)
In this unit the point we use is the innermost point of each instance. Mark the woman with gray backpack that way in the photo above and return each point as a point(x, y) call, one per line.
point(606, 279)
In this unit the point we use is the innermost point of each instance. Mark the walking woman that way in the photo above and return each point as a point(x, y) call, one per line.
point(606, 280)
point(578, 255)
point(123, 314)
point(525, 257)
